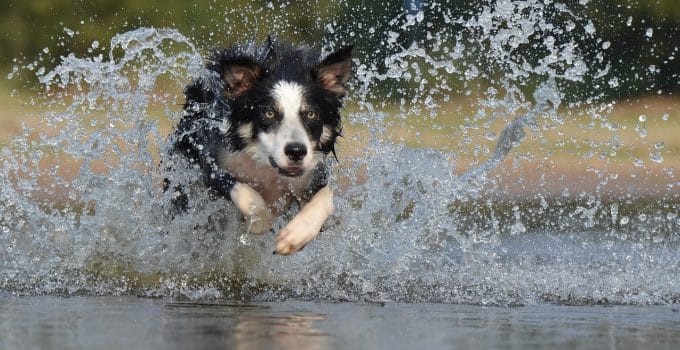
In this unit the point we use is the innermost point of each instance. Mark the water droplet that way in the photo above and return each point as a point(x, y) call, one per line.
point(490, 135)
point(656, 157)
point(638, 163)
point(659, 145)
point(642, 118)
point(649, 33)
point(613, 82)
point(590, 28)
point(420, 16)
point(624, 220)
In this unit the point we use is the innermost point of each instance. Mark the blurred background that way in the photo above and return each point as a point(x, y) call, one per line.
point(636, 42)
point(41, 31)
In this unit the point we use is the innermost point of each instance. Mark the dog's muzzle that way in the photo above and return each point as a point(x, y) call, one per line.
point(290, 171)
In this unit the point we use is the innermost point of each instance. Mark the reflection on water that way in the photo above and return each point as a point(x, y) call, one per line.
point(132, 323)
point(244, 326)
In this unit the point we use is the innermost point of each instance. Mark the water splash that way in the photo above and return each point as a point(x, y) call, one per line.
point(83, 211)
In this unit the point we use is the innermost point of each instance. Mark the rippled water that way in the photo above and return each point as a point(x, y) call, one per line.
point(128, 322)
point(83, 211)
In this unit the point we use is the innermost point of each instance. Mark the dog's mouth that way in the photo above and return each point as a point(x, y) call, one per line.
point(289, 171)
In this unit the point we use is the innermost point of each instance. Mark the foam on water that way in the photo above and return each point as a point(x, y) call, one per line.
point(83, 210)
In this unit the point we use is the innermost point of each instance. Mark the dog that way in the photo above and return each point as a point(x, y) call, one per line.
point(259, 127)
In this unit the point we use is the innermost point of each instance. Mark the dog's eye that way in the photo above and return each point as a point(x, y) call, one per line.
point(269, 113)
point(311, 115)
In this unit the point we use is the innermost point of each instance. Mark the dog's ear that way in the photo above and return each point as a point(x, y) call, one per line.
point(239, 75)
point(335, 70)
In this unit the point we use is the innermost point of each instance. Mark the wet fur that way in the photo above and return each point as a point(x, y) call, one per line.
point(259, 127)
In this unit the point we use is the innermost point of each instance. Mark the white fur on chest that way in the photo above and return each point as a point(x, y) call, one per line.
point(277, 190)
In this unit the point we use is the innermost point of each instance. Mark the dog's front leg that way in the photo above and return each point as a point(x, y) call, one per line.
point(248, 201)
point(306, 224)
point(253, 208)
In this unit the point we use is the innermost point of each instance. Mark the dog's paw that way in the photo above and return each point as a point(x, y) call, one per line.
point(294, 236)
point(306, 224)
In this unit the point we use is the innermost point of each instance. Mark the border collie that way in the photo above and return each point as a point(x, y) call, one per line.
point(259, 126)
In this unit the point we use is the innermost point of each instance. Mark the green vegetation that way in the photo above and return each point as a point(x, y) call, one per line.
point(40, 31)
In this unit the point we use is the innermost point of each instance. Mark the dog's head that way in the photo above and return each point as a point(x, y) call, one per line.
point(285, 103)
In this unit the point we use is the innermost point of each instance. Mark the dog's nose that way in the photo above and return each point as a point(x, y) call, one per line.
point(295, 151)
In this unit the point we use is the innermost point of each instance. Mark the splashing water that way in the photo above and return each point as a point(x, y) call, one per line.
point(83, 210)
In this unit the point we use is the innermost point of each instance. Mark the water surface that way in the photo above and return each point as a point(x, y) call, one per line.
point(52, 322)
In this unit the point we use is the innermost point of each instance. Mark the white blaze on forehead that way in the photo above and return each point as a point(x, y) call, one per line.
point(290, 97)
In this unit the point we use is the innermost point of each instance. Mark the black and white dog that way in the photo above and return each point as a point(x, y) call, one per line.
point(260, 128)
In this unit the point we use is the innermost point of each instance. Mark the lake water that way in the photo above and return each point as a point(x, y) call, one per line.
point(52, 322)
